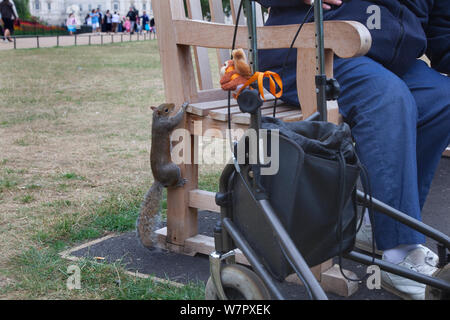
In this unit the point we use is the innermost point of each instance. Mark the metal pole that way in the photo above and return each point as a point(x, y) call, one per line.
point(101, 39)
point(15, 43)
point(37, 41)
point(75, 39)
point(321, 77)
point(57, 40)
point(255, 118)
point(255, 262)
point(401, 271)
point(121, 37)
point(112, 39)
point(405, 219)
point(250, 9)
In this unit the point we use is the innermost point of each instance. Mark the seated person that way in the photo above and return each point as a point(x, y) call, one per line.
point(399, 111)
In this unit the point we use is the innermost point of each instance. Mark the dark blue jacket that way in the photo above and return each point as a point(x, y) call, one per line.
point(409, 28)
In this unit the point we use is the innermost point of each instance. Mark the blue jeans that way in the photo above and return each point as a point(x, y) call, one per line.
point(401, 126)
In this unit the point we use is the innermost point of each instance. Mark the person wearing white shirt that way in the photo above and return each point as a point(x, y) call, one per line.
point(115, 19)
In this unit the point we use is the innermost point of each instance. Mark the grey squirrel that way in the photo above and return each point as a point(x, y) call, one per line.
point(165, 172)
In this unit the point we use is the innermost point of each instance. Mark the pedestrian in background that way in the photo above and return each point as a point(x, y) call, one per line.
point(127, 25)
point(152, 28)
point(71, 24)
point(131, 15)
point(115, 20)
point(95, 21)
point(101, 22)
point(9, 14)
point(108, 21)
point(145, 22)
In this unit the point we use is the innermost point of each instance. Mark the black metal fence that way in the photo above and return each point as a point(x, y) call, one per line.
point(38, 41)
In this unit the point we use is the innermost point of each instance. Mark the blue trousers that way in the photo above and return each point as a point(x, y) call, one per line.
point(401, 126)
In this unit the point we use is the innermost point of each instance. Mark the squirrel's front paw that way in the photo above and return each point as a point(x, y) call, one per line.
point(182, 182)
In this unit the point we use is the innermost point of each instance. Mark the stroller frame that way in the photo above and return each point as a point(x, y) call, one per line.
point(226, 232)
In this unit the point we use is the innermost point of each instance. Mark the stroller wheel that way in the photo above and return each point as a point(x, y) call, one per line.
point(239, 283)
point(432, 293)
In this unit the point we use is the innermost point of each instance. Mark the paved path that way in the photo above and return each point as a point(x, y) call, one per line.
point(82, 39)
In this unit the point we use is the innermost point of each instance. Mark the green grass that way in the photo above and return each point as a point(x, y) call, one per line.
point(9, 179)
point(72, 176)
point(25, 199)
point(33, 186)
point(42, 273)
point(116, 213)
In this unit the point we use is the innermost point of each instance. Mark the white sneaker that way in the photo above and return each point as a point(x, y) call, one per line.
point(363, 239)
point(421, 260)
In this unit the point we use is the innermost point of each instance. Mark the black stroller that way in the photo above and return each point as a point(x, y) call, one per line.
point(259, 213)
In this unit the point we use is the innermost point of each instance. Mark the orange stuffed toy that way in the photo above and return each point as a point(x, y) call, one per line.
point(235, 72)
point(237, 75)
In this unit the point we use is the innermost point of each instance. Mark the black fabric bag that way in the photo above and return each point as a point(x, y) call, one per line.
point(313, 194)
point(326, 187)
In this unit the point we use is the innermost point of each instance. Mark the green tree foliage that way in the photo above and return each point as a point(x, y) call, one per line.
point(206, 11)
point(23, 10)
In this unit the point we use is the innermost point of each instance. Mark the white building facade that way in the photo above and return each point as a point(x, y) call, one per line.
point(54, 12)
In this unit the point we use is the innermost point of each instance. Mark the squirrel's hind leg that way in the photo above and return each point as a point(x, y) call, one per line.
point(172, 176)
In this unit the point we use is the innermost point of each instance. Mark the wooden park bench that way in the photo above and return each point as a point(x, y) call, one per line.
point(183, 44)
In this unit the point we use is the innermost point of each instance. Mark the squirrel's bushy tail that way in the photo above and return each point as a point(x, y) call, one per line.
point(149, 214)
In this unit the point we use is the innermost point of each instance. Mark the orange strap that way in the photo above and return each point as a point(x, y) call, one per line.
point(259, 76)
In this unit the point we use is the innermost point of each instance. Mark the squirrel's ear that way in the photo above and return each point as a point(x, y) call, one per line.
point(153, 108)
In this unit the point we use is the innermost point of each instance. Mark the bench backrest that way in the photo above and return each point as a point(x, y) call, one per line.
point(202, 60)
point(182, 37)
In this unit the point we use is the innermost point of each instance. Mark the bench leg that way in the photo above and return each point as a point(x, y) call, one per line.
point(181, 219)
point(331, 279)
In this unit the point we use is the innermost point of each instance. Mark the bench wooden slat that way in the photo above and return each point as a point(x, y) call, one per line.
point(203, 108)
point(201, 54)
point(215, 35)
point(222, 114)
point(290, 115)
point(259, 15)
point(210, 95)
point(234, 6)
point(203, 200)
point(217, 15)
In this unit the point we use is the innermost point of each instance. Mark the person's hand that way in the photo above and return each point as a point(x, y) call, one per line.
point(325, 5)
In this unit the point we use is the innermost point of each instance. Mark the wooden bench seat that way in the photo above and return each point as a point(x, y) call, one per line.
point(218, 110)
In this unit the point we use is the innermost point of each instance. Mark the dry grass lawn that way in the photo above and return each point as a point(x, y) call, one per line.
point(74, 152)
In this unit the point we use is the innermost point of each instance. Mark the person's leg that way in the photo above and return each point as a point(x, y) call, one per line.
point(7, 27)
point(382, 113)
point(431, 90)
